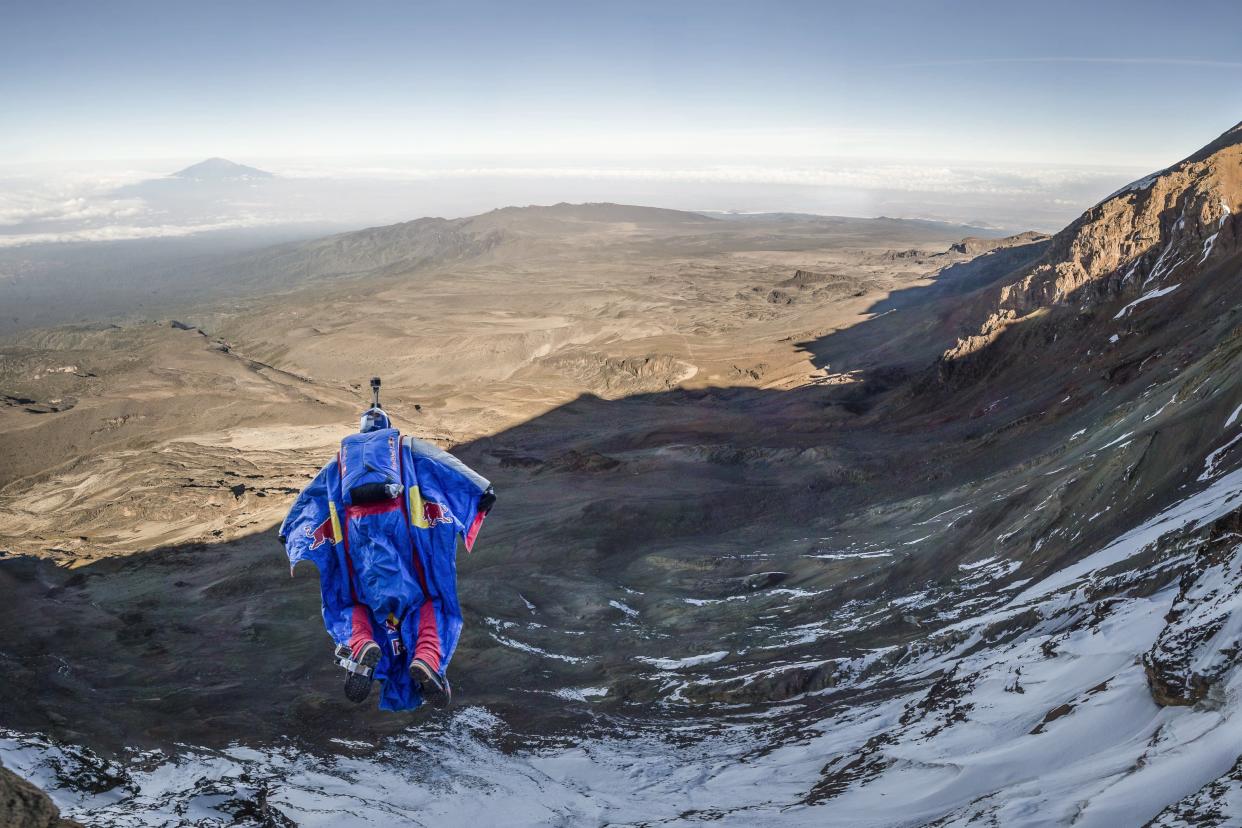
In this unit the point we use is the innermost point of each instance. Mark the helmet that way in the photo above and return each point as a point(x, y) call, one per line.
point(373, 419)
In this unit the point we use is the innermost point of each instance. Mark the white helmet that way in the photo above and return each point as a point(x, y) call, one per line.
point(373, 419)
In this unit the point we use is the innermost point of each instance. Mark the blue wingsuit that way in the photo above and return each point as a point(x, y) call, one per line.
point(388, 567)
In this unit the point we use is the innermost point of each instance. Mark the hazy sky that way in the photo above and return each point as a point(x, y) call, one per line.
point(1058, 82)
point(1010, 113)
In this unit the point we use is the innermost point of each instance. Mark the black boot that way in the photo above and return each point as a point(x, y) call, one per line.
point(361, 670)
point(436, 690)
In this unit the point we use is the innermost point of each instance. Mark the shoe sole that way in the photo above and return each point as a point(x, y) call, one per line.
point(438, 697)
point(358, 686)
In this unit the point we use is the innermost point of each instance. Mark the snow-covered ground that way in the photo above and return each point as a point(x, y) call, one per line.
point(1036, 712)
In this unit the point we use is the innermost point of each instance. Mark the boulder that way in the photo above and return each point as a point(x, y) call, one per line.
point(22, 805)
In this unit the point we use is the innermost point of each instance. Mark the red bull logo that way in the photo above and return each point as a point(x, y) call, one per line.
point(321, 533)
point(434, 513)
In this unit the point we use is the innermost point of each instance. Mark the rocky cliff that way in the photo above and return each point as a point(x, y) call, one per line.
point(1140, 243)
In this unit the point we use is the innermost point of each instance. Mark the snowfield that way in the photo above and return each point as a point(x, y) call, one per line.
point(1035, 713)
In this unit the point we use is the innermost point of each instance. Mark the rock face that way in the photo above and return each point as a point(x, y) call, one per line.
point(974, 245)
point(1202, 638)
point(22, 805)
point(1157, 232)
point(1178, 229)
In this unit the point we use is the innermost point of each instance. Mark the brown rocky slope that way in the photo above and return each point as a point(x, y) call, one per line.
point(1162, 230)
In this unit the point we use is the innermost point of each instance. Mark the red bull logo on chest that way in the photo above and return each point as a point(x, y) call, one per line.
point(434, 513)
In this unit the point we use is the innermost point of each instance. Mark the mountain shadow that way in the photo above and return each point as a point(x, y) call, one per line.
point(657, 526)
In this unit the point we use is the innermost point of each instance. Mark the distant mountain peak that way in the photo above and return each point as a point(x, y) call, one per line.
point(220, 169)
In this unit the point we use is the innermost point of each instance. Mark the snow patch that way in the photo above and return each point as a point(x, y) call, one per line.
point(530, 648)
point(1135, 186)
point(845, 556)
point(682, 663)
point(1233, 418)
point(629, 611)
point(1207, 247)
point(1209, 463)
point(1220, 497)
point(1149, 295)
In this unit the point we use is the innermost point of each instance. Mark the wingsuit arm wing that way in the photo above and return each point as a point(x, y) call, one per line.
point(312, 531)
point(469, 494)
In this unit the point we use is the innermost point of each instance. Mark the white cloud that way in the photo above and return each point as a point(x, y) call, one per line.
point(118, 232)
point(28, 207)
point(81, 206)
point(63, 196)
point(920, 178)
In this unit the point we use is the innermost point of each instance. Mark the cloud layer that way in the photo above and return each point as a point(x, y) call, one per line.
point(852, 175)
point(90, 207)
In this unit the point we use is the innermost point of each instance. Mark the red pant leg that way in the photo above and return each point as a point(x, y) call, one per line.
point(427, 644)
point(360, 629)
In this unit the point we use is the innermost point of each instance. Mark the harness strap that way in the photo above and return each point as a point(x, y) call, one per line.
point(343, 658)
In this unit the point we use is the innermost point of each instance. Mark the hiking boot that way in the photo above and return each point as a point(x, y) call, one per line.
point(435, 689)
point(361, 669)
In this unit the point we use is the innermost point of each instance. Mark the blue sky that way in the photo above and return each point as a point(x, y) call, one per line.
point(1052, 82)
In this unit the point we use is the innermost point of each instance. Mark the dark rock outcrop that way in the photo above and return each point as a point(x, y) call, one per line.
point(1201, 641)
point(974, 245)
point(22, 805)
